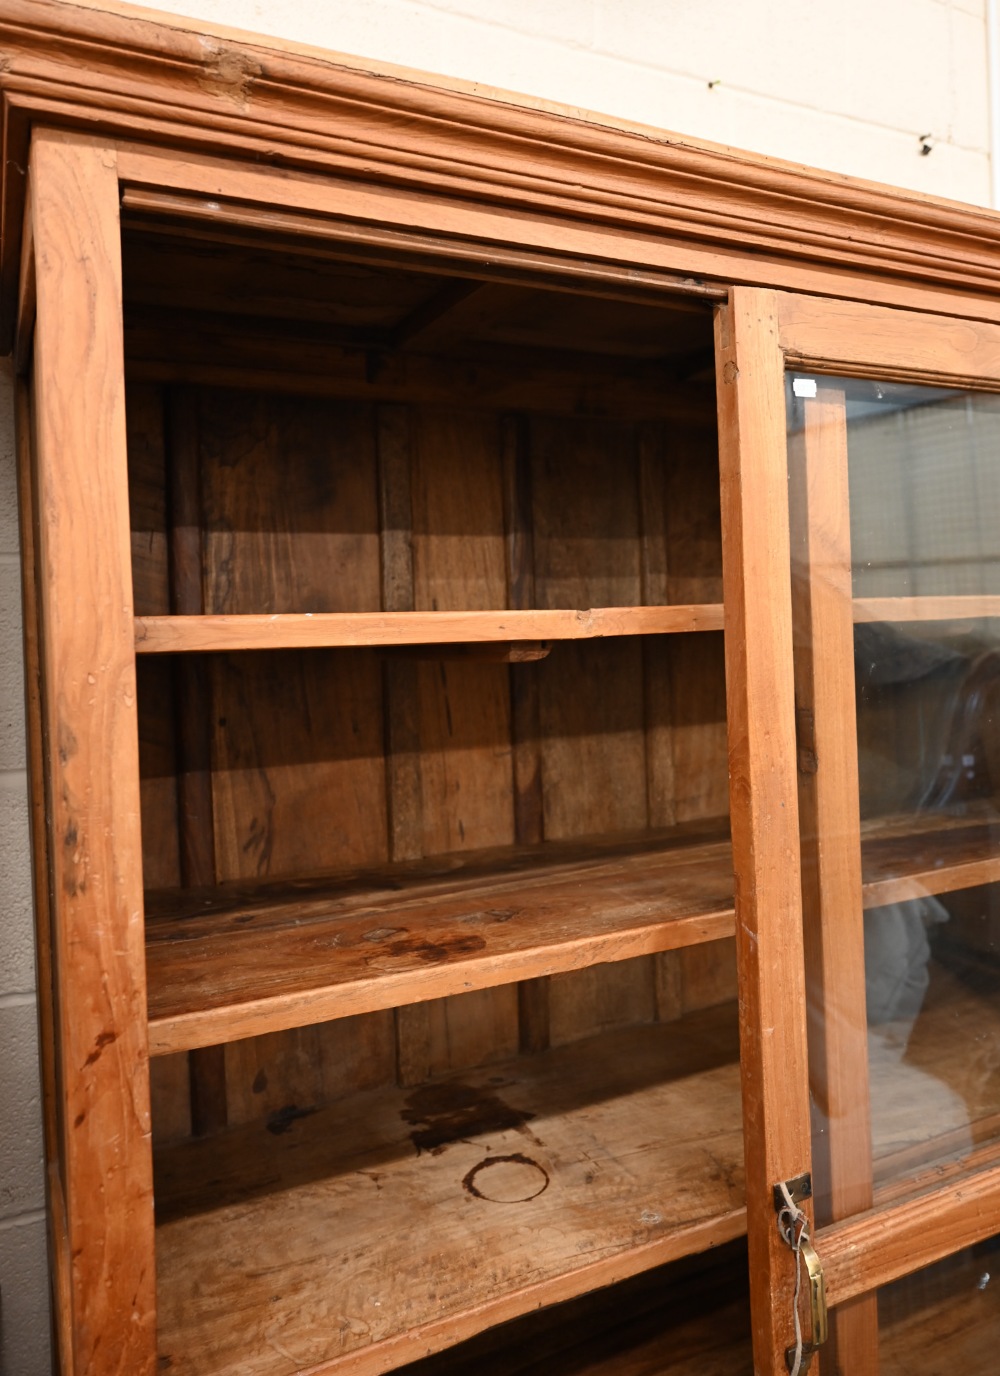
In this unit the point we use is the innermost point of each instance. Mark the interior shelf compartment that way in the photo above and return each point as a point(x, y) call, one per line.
point(395, 1223)
point(400, 1220)
point(242, 959)
point(688, 1318)
point(233, 962)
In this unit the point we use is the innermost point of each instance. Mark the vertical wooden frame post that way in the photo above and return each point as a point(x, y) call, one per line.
point(763, 792)
point(830, 812)
point(90, 729)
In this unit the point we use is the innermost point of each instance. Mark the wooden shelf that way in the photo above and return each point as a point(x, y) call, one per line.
point(929, 853)
point(231, 963)
point(387, 1227)
point(689, 1318)
point(960, 608)
point(293, 631)
point(389, 1235)
point(235, 962)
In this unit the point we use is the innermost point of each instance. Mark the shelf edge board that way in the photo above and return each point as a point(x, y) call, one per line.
point(169, 1033)
point(295, 630)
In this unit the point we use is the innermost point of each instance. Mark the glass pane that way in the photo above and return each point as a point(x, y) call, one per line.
point(936, 1322)
point(894, 498)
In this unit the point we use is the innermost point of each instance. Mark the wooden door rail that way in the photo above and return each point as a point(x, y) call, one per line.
point(308, 630)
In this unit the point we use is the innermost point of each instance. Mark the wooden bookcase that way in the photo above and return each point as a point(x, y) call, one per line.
point(424, 809)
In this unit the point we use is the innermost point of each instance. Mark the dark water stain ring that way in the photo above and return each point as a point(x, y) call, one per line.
point(516, 1159)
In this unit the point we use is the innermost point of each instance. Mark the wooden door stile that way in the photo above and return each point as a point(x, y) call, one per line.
point(206, 1064)
point(89, 713)
point(221, 192)
point(525, 724)
point(764, 795)
point(830, 813)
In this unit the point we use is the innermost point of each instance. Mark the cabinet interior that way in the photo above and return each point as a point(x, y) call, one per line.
point(473, 900)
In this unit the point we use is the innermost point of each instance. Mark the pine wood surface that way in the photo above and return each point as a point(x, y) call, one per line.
point(689, 1318)
point(384, 1227)
point(290, 630)
point(425, 929)
point(91, 742)
point(255, 1210)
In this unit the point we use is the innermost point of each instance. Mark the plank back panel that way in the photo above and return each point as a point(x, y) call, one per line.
point(463, 712)
point(289, 504)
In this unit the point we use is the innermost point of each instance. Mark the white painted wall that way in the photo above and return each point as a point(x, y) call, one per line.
point(850, 86)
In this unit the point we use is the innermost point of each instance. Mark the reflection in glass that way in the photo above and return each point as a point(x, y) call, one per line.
point(945, 1319)
point(894, 495)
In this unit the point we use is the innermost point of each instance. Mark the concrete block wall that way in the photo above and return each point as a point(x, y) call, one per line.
point(849, 86)
point(24, 1307)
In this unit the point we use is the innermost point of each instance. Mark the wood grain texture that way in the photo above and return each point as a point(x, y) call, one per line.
point(85, 597)
point(533, 1010)
point(763, 787)
point(875, 1248)
point(871, 341)
point(965, 608)
point(246, 958)
point(226, 966)
point(50, 1057)
point(386, 1225)
point(575, 183)
point(785, 249)
point(195, 819)
point(462, 711)
point(289, 505)
point(689, 1318)
point(249, 631)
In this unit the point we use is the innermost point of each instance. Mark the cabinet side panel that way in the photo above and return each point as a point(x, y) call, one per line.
point(93, 799)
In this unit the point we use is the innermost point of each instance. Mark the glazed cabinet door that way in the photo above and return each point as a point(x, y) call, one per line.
point(891, 461)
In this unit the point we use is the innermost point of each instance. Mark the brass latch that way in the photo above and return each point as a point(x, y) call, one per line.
point(793, 1226)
